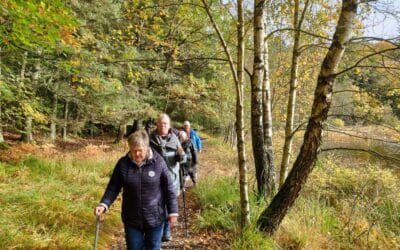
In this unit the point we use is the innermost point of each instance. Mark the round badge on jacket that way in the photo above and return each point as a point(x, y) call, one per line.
point(152, 173)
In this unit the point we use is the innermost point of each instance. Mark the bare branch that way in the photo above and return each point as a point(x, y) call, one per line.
point(371, 38)
point(359, 136)
point(291, 29)
point(372, 152)
point(368, 120)
point(364, 58)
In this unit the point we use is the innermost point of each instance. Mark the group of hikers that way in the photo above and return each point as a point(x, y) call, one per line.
point(151, 176)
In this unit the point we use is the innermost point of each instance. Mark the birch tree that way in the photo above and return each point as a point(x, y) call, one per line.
point(261, 161)
point(291, 105)
point(267, 117)
point(237, 75)
point(273, 215)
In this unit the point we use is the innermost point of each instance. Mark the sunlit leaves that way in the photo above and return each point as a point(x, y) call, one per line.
point(35, 24)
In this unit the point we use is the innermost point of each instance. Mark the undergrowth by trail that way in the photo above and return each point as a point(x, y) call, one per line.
point(47, 203)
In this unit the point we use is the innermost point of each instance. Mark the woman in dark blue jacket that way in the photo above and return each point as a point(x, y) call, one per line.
point(147, 193)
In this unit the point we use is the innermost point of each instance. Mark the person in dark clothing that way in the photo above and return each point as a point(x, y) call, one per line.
point(166, 143)
point(189, 167)
point(148, 194)
point(149, 125)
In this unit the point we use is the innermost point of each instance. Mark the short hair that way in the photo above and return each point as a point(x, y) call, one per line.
point(162, 116)
point(183, 135)
point(139, 138)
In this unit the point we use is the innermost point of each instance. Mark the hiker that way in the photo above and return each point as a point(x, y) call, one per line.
point(148, 193)
point(148, 125)
point(196, 141)
point(189, 167)
point(167, 144)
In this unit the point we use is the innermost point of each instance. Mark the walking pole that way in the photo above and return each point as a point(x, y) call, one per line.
point(96, 236)
point(184, 200)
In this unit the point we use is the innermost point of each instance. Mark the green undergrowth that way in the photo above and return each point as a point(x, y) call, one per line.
point(49, 204)
point(339, 208)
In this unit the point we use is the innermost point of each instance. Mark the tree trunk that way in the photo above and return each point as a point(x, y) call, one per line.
point(291, 107)
point(267, 120)
point(1, 126)
point(27, 136)
point(65, 125)
point(28, 118)
point(244, 200)
point(273, 215)
point(53, 119)
point(243, 180)
point(121, 132)
point(21, 88)
point(27, 129)
point(1, 123)
point(257, 130)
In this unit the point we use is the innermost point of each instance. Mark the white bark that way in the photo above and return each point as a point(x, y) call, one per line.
point(291, 106)
point(243, 180)
point(267, 118)
point(65, 125)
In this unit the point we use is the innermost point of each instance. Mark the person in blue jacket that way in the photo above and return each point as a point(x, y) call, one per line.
point(148, 194)
point(196, 141)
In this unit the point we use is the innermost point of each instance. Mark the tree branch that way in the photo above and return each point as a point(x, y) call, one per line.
point(302, 31)
point(364, 58)
point(372, 152)
point(359, 136)
point(368, 120)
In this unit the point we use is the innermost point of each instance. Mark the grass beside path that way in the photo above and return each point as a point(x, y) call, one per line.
point(49, 203)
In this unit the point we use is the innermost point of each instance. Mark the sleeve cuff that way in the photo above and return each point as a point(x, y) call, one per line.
point(173, 215)
point(104, 205)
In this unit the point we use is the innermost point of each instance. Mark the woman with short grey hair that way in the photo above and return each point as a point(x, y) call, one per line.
point(147, 194)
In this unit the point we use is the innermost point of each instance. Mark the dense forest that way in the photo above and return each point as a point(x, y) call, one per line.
point(287, 86)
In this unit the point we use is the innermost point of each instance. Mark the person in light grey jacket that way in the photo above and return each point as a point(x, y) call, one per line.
point(167, 144)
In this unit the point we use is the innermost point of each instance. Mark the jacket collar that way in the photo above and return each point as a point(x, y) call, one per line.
point(150, 157)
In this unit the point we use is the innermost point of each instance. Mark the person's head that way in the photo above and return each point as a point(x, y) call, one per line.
point(163, 124)
point(182, 136)
point(186, 126)
point(139, 146)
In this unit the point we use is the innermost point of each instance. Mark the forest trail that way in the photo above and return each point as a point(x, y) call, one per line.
point(213, 161)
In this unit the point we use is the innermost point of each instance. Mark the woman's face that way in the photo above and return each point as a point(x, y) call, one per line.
point(163, 126)
point(139, 153)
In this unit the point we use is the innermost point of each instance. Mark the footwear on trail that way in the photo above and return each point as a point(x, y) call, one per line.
point(166, 238)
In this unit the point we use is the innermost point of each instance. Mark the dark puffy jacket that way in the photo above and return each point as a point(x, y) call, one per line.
point(191, 153)
point(147, 191)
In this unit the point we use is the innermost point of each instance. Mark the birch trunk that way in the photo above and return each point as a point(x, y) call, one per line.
point(291, 106)
point(243, 180)
point(53, 126)
point(273, 215)
point(244, 198)
point(257, 130)
point(267, 119)
point(65, 125)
